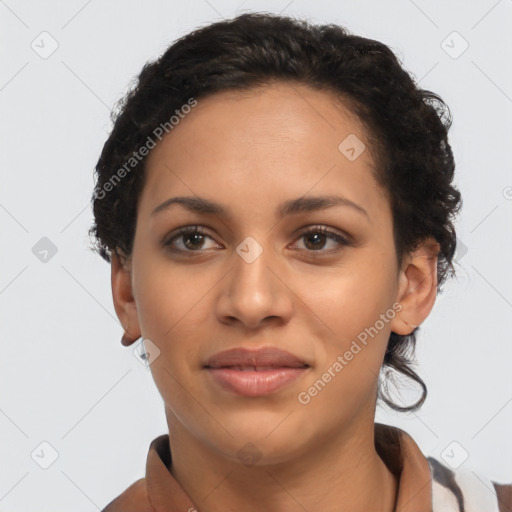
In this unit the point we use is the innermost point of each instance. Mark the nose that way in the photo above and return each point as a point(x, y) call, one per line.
point(254, 293)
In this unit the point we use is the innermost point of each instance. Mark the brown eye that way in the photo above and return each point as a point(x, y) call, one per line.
point(316, 238)
point(188, 239)
point(315, 241)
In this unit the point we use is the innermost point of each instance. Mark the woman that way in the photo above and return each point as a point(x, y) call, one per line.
point(276, 203)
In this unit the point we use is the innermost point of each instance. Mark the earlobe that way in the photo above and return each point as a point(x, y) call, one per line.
point(417, 287)
point(124, 301)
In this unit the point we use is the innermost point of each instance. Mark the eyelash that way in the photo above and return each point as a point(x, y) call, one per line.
point(192, 230)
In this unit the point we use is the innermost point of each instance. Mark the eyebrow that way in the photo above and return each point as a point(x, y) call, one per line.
point(289, 207)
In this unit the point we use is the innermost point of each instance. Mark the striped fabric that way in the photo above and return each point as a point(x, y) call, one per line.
point(461, 490)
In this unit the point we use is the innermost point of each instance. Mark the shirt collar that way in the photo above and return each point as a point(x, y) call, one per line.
point(397, 449)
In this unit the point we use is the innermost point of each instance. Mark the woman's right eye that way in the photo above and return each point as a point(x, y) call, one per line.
point(188, 239)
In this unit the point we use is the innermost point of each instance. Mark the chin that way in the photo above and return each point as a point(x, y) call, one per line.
point(262, 452)
point(269, 440)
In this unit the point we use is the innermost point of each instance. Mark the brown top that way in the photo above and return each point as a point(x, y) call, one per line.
point(418, 477)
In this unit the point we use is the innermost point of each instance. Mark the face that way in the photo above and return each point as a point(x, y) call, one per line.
point(271, 264)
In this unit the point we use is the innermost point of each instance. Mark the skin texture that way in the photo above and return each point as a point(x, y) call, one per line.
point(308, 295)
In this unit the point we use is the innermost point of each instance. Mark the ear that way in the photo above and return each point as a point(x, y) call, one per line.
point(417, 287)
point(124, 302)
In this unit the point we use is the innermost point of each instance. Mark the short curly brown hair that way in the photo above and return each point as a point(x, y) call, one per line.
point(407, 127)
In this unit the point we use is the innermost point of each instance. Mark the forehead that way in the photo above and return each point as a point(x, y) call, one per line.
point(290, 111)
point(277, 137)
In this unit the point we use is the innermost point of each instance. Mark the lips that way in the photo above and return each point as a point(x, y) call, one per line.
point(255, 360)
point(253, 373)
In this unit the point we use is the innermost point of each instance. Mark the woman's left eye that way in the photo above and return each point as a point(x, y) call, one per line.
point(316, 238)
point(193, 238)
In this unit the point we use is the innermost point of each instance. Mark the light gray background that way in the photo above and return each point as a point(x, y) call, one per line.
point(66, 379)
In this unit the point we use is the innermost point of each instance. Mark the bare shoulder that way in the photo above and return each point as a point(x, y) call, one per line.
point(133, 499)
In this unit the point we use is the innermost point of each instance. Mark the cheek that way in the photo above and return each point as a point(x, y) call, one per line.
point(170, 298)
point(351, 298)
point(171, 310)
point(346, 377)
point(356, 305)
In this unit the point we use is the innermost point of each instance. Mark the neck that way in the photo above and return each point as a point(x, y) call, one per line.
point(344, 469)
